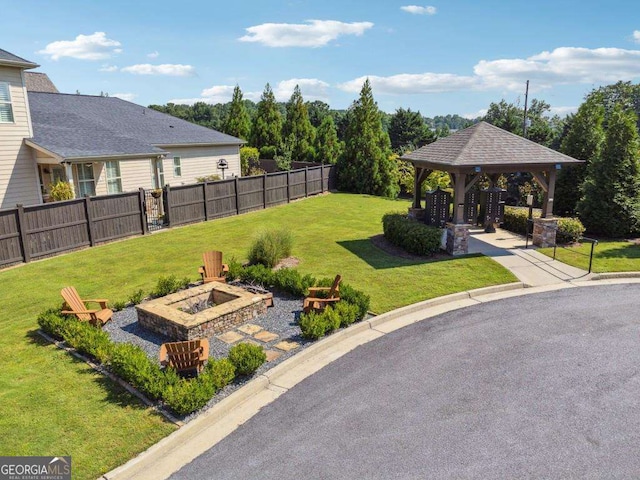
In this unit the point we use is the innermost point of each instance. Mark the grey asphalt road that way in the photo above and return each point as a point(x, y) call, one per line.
point(540, 386)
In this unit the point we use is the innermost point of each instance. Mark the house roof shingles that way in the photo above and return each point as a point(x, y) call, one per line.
point(485, 145)
point(8, 58)
point(39, 82)
point(81, 126)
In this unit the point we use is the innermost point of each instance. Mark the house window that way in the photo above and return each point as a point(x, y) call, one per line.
point(177, 167)
point(6, 111)
point(86, 182)
point(114, 180)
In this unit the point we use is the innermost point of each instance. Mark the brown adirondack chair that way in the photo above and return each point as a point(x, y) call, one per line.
point(185, 356)
point(315, 303)
point(76, 306)
point(213, 269)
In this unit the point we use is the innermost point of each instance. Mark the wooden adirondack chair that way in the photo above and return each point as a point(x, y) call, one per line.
point(76, 306)
point(185, 356)
point(315, 303)
point(213, 269)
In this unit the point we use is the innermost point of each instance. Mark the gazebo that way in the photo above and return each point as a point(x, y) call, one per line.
point(485, 149)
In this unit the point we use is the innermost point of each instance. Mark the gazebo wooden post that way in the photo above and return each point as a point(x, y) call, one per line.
point(547, 205)
point(460, 182)
point(417, 187)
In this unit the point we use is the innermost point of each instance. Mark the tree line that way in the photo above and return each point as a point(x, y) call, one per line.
point(367, 144)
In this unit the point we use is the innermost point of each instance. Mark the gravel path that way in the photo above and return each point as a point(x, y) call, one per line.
point(281, 320)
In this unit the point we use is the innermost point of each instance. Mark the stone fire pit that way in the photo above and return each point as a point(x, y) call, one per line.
point(170, 315)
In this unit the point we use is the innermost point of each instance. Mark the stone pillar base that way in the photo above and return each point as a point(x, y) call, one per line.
point(457, 238)
point(417, 213)
point(544, 232)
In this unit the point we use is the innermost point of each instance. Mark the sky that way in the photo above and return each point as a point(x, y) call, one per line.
point(442, 57)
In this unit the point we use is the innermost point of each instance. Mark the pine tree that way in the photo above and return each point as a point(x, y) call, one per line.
point(298, 128)
point(237, 122)
point(583, 141)
point(267, 124)
point(328, 147)
point(367, 165)
point(611, 202)
point(408, 131)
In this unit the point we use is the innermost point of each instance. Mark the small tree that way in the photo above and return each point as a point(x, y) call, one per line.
point(249, 157)
point(267, 124)
point(297, 128)
point(611, 202)
point(328, 147)
point(367, 165)
point(237, 122)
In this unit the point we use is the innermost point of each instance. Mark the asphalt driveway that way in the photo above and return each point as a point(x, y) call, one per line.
point(539, 386)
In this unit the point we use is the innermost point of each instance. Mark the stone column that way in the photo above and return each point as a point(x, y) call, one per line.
point(544, 232)
point(457, 238)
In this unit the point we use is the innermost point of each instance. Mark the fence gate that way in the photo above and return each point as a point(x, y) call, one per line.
point(154, 209)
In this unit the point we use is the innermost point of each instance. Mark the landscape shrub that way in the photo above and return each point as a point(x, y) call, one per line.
point(270, 247)
point(208, 178)
point(347, 313)
point(268, 152)
point(167, 285)
point(119, 305)
point(289, 280)
point(219, 372)
point(515, 220)
point(246, 358)
point(133, 365)
point(52, 322)
point(355, 297)
point(315, 325)
point(61, 191)
point(188, 395)
point(569, 230)
point(235, 269)
point(136, 297)
point(249, 158)
point(413, 236)
point(258, 274)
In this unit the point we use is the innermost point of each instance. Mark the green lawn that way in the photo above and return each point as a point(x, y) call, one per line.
point(608, 256)
point(52, 404)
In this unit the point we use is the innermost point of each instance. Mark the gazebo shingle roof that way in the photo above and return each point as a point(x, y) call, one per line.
point(485, 145)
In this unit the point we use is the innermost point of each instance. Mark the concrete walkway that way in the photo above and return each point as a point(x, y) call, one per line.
point(532, 268)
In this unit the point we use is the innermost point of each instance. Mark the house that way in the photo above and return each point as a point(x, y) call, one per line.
point(101, 145)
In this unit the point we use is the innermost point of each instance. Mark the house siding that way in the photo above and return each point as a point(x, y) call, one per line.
point(200, 162)
point(18, 174)
point(135, 174)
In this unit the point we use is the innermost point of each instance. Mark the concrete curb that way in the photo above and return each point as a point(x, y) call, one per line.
point(196, 437)
point(615, 275)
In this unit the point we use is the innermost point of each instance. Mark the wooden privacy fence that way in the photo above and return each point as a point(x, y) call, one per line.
point(28, 233)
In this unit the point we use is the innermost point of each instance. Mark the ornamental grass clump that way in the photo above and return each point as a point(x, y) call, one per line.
point(270, 247)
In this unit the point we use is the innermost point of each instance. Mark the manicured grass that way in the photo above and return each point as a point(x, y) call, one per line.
point(51, 404)
point(608, 256)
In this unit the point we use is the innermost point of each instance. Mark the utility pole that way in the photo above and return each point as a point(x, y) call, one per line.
point(524, 120)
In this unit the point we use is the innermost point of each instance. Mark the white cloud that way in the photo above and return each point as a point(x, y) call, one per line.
point(636, 36)
point(471, 116)
point(164, 69)
point(84, 47)
point(562, 66)
point(129, 97)
point(412, 83)
point(153, 54)
point(217, 94)
point(311, 89)
point(108, 68)
point(563, 111)
point(416, 10)
point(316, 33)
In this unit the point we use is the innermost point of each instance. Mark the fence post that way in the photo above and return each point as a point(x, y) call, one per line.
point(143, 212)
point(89, 217)
point(288, 186)
point(22, 230)
point(206, 200)
point(306, 181)
point(167, 204)
point(264, 190)
point(237, 184)
point(322, 177)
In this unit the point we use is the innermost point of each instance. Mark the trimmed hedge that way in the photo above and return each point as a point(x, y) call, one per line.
point(413, 236)
point(515, 220)
point(246, 358)
point(134, 366)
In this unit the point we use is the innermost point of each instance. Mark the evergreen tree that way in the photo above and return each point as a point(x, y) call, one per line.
point(328, 147)
point(237, 122)
point(611, 201)
point(267, 124)
point(583, 141)
point(367, 165)
point(297, 127)
point(408, 131)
